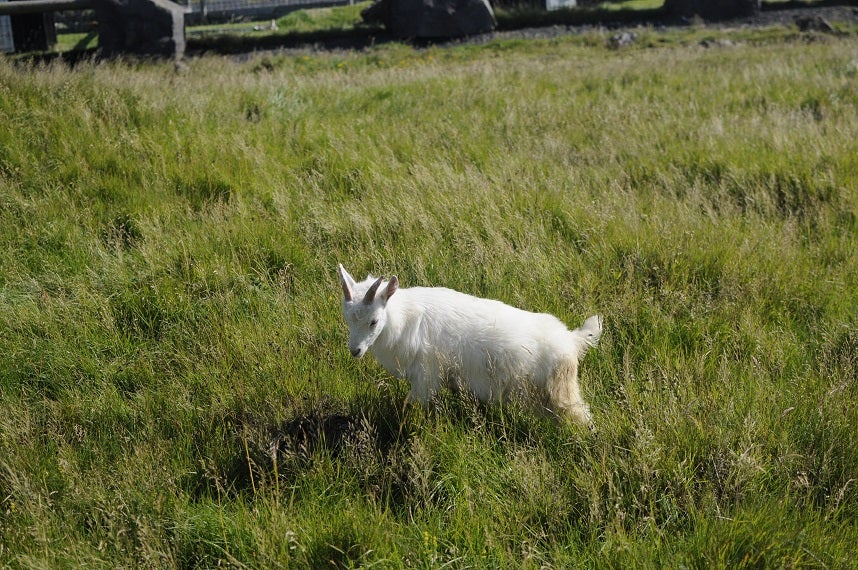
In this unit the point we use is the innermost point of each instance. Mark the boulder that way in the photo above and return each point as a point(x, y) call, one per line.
point(141, 27)
point(712, 9)
point(428, 19)
point(622, 39)
point(814, 24)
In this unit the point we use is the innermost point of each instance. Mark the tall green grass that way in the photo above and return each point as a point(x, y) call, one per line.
point(175, 388)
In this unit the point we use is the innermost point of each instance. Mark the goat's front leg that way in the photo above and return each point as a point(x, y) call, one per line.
point(424, 385)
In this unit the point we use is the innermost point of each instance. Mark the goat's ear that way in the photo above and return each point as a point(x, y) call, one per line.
point(370, 295)
point(346, 281)
point(392, 286)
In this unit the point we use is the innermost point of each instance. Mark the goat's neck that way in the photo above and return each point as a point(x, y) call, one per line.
point(393, 348)
point(395, 327)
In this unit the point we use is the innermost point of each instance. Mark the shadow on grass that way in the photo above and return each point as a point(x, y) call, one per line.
point(377, 445)
point(357, 38)
point(364, 36)
point(367, 443)
point(509, 19)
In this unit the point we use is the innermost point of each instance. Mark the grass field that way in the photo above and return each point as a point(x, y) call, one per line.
point(175, 386)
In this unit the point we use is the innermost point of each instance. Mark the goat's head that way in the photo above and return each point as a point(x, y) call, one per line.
point(365, 309)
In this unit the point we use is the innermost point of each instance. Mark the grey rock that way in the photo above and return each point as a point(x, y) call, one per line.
point(711, 9)
point(622, 39)
point(432, 18)
point(716, 43)
point(814, 24)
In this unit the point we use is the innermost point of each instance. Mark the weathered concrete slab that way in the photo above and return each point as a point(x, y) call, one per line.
point(139, 27)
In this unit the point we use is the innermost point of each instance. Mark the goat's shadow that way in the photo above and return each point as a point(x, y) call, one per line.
point(367, 439)
point(371, 440)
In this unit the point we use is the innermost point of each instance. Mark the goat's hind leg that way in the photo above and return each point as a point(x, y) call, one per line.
point(564, 394)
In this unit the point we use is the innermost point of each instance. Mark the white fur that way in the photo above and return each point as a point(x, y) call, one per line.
point(434, 336)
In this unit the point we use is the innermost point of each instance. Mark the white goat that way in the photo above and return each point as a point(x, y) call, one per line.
point(433, 336)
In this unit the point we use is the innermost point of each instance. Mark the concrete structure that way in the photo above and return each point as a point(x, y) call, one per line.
point(139, 27)
point(552, 5)
point(7, 42)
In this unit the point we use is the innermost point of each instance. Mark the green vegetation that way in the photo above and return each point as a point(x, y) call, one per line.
point(633, 5)
point(175, 386)
point(76, 41)
point(340, 17)
point(337, 18)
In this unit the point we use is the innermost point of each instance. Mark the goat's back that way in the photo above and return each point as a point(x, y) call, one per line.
point(460, 323)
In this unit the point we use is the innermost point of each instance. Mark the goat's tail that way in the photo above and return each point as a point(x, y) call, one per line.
point(588, 334)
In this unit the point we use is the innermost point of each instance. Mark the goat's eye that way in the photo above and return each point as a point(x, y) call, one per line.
point(373, 322)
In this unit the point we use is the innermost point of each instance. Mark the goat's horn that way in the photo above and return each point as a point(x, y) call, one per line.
point(346, 281)
point(370, 295)
point(347, 294)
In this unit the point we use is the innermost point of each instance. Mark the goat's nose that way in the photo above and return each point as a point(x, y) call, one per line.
point(355, 352)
